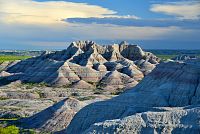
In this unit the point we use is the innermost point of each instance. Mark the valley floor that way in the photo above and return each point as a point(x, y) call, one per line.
point(18, 100)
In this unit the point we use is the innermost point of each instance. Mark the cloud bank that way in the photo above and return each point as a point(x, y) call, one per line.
point(33, 12)
point(181, 10)
point(51, 24)
point(188, 24)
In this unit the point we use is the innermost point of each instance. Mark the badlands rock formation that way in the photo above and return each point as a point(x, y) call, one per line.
point(184, 57)
point(165, 101)
point(54, 118)
point(6, 64)
point(115, 80)
point(85, 64)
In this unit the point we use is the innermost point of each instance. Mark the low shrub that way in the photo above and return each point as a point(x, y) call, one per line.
point(9, 130)
point(75, 94)
point(15, 130)
point(117, 92)
point(86, 98)
point(3, 98)
point(98, 91)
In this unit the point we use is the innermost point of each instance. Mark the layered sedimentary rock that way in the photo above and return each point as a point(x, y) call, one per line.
point(145, 66)
point(116, 80)
point(4, 74)
point(85, 61)
point(4, 65)
point(82, 85)
point(54, 118)
point(165, 101)
point(174, 120)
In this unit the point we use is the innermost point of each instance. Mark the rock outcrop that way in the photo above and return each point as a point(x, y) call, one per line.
point(4, 65)
point(54, 118)
point(82, 85)
point(4, 74)
point(83, 62)
point(165, 101)
point(185, 57)
point(174, 120)
point(116, 80)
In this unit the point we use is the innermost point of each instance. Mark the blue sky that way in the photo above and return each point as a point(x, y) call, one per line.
point(53, 24)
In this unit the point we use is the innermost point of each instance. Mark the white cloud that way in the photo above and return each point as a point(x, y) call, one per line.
point(71, 32)
point(182, 10)
point(122, 17)
point(56, 37)
point(29, 23)
point(32, 12)
point(115, 32)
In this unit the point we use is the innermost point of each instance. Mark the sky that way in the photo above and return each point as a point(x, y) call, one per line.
point(54, 24)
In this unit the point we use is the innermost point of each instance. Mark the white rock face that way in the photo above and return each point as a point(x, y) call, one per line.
point(85, 61)
point(174, 120)
point(165, 101)
point(4, 65)
point(4, 74)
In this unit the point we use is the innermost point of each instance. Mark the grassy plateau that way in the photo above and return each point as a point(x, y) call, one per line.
point(12, 58)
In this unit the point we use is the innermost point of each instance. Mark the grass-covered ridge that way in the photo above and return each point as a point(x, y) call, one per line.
point(12, 58)
point(165, 57)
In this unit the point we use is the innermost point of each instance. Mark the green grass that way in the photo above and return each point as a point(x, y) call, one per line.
point(30, 85)
point(5, 128)
point(9, 130)
point(15, 130)
point(3, 98)
point(8, 119)
point(41, 94)
point(165, 57)
point(12, 58)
